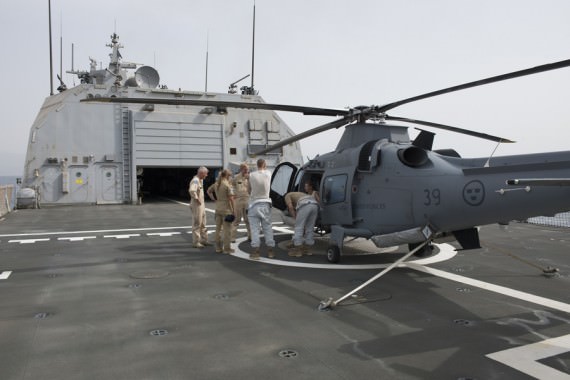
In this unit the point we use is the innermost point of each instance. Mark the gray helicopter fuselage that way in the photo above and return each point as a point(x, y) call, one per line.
point(384, 187)
point(449, 193)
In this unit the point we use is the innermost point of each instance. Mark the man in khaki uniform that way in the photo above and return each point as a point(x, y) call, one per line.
point(198, 208)
point(241, 190)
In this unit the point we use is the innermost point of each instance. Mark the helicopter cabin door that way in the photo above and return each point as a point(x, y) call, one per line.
point(281, 183)
point(336, 196)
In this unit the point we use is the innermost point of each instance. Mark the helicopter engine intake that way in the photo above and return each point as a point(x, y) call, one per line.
point(413, 156)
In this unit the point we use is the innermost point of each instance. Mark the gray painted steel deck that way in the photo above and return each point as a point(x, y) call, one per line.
point(117, 292)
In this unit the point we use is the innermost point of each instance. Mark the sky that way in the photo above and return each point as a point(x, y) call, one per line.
point(321, 53)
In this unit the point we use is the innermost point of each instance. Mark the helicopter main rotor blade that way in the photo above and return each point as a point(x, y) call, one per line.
point(450, 128)
point(498, 78)
point(325, 127)
point(216, 103)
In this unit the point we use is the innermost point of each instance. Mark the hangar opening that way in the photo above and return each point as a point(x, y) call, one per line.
point(159, 184)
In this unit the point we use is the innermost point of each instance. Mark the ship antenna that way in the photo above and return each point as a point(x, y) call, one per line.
point(72, 58)
point(250, 90)
point(50, 52)
point(207, 52)
point(61, 46)
point(253, 51)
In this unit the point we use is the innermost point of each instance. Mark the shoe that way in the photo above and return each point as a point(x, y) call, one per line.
point(270, 253)
point(290, 245)
point(233, 241)
point(206, 243)
point(227, 252)
point(255, 254)
point(198, 245)
point(218, 250)
point(295, 252)
point(305, 250)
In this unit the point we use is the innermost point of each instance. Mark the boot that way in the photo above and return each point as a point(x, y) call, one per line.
point(290, 245)
point(270, 253)
point(255, 254)
point(295, 252)
point(305, 249)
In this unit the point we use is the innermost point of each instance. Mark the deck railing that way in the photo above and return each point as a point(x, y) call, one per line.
point(6, 199)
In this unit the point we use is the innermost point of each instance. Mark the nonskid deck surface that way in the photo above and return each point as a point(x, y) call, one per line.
point(111, 292)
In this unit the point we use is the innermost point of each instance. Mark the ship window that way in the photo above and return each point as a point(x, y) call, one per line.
point(233, 151)
point(334, 189)
point(78, 174)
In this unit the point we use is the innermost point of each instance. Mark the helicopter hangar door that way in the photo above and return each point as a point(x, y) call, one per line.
point(178, 141)
point(336, 196)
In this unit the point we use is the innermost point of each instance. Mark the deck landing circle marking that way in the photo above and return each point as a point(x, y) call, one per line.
point(446, 252)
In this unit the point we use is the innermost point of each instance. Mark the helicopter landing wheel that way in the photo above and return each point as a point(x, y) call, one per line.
point(426, 250)
point(333, 254)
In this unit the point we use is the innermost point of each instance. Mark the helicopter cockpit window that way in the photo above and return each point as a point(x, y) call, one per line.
point(334, 189)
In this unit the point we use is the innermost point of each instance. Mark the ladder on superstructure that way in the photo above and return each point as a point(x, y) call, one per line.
point(126, 134)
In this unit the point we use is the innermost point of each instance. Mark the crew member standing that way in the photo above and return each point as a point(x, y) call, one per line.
point(304, 207)
point(241, 189)
point(198, 208)
point(259, 209)
point(222, 192)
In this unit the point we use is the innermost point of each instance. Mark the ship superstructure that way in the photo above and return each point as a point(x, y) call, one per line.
point(105, 153)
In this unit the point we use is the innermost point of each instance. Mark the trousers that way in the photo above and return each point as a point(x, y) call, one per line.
point(259, 215)
point(199, 232)
point(305, 224)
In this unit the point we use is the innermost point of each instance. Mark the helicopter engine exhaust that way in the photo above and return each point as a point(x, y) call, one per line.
point(413, 156)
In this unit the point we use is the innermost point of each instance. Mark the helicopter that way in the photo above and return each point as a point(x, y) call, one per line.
point(378, 184)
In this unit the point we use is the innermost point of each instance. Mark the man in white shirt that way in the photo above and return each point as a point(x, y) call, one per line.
point(259, 209)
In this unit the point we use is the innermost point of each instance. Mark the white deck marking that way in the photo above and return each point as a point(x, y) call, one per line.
point(125, 236)
point(522, 358)
point(98, 231)
point(27, 241)
point(446, 252)
point(77, 238)
point(163, 234)
point(4, 275)
point(528, 297)
point(525, 358)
